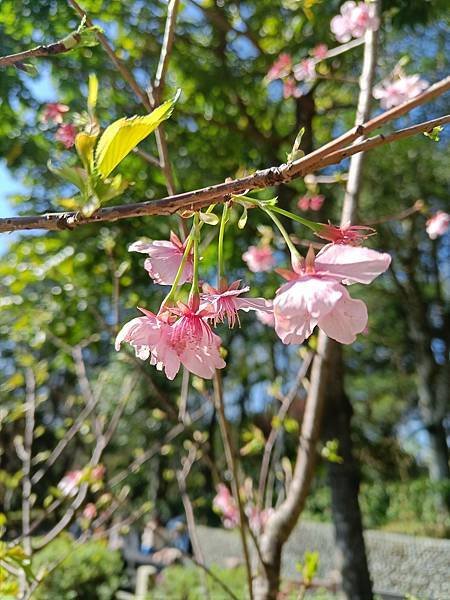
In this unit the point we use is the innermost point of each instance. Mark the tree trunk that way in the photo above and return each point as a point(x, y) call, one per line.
point(344, 483)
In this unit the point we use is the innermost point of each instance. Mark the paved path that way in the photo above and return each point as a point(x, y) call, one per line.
point(399, 564)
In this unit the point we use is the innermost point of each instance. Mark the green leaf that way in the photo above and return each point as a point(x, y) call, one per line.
point(74, 175)
point(330, 452)
point(119, 138)
point(84, 144)
point(296, 152)
point(434, 133)
point(243, 219)
point(92, 92)
point(209, 218)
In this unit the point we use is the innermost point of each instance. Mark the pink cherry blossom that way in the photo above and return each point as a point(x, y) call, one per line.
point(53, 112)
point(314, 294)
point(311, 202)
point(164, 259)
point(320, 51)
point(305, 70)
point(257, 518)
point(224, 504)
point(394, 92)
point(290, 89)
point(280, 68)
point(226, 302)
point(266, 318)
point(353, 21)
point(197, 347)
point(66, 134)
point(90, 511)
point(98, 473)
point(259, 258)
point(69, 484)
point(303, 203)
point(438, 224)
point(352, 235)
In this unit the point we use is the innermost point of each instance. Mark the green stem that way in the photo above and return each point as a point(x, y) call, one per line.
point(196, 235)
point(310, 224)
point(295, 254)
point(220, 261)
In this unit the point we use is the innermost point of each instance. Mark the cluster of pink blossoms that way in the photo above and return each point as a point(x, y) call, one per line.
point(353, 22)
point(394, 92)
point(53, 113)
point(311, 202)
point(70, 483)
point(438, 224)
point(182, 334)
point(225, 505)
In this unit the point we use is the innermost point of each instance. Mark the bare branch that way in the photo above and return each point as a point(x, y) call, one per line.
point(30, 413)
point(197, 199)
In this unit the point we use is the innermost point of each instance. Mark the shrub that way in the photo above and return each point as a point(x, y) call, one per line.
point(88, 571)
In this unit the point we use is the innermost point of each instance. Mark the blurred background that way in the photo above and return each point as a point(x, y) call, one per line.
point(64, 295)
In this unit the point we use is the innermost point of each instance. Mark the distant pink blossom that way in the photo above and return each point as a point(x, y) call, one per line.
point(224, 504)
point(394, 92)
point(257, 518)
point(164, 259)
point(352, 235)
point(305, 70)
point(90, 511)
point(66, 134)
point(98, 473)
point(226, 302)
point(69, 484)
point(438, 224)
point(320, 51)
point(290, 89)
point(53, 112)
point(259, 258)
point(353, 21)
point(311, 202)
point(315, 294)
point(280, 68)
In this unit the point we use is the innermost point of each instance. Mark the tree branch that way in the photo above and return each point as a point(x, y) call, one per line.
point(197, 199)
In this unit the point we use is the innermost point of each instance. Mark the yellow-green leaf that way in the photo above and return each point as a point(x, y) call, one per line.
point(85, 143)
point(119, 138)
point(92, 92)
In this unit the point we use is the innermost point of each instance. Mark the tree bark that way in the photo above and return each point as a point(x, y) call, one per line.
point(343, 479)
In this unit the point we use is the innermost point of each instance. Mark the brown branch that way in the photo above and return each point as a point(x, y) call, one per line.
point(273, 435)
point(197, 199)
point(45, 50)
point(30, 414)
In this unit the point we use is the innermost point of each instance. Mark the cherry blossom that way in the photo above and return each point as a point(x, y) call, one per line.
point(305, 70)
point(53, 112)
point(352, 235)
point(280, 68)
point(197, 347)
point(90, 511)
point(355, 19)
point(290, 89)
point(164, 259)
point(311, 202)
point(259, 258)
point(188, 341)
point(438, 224)
point(226, 302)
point(69, 484)
point(320, 51)
point(66, 134)
point(224, 504)
point(315, 294)
point(266, 317)
point(257, 518)
point(394, 92)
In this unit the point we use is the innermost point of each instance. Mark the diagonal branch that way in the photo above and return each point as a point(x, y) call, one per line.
point(197, 199)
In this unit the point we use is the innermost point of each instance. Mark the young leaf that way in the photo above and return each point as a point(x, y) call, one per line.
point(209, 218)
point(119, 138)
point(74, 175)
point(243, 218)
point(84, 144)
point(92, 92)
point(296, 152)
point(434, 134)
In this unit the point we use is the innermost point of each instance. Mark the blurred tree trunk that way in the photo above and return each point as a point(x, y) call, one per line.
point(343, 479)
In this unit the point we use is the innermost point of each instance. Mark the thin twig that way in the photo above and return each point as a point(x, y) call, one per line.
point(232, 464)
point(274, 432)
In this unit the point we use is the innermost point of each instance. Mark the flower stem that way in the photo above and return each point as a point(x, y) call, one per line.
point(171, 296)
point(220, 261)
point(195, 234)
point(310, 224)
point(295, 254)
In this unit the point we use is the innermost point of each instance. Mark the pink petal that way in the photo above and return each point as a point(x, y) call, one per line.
point(351, 264)
point(347, 318)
